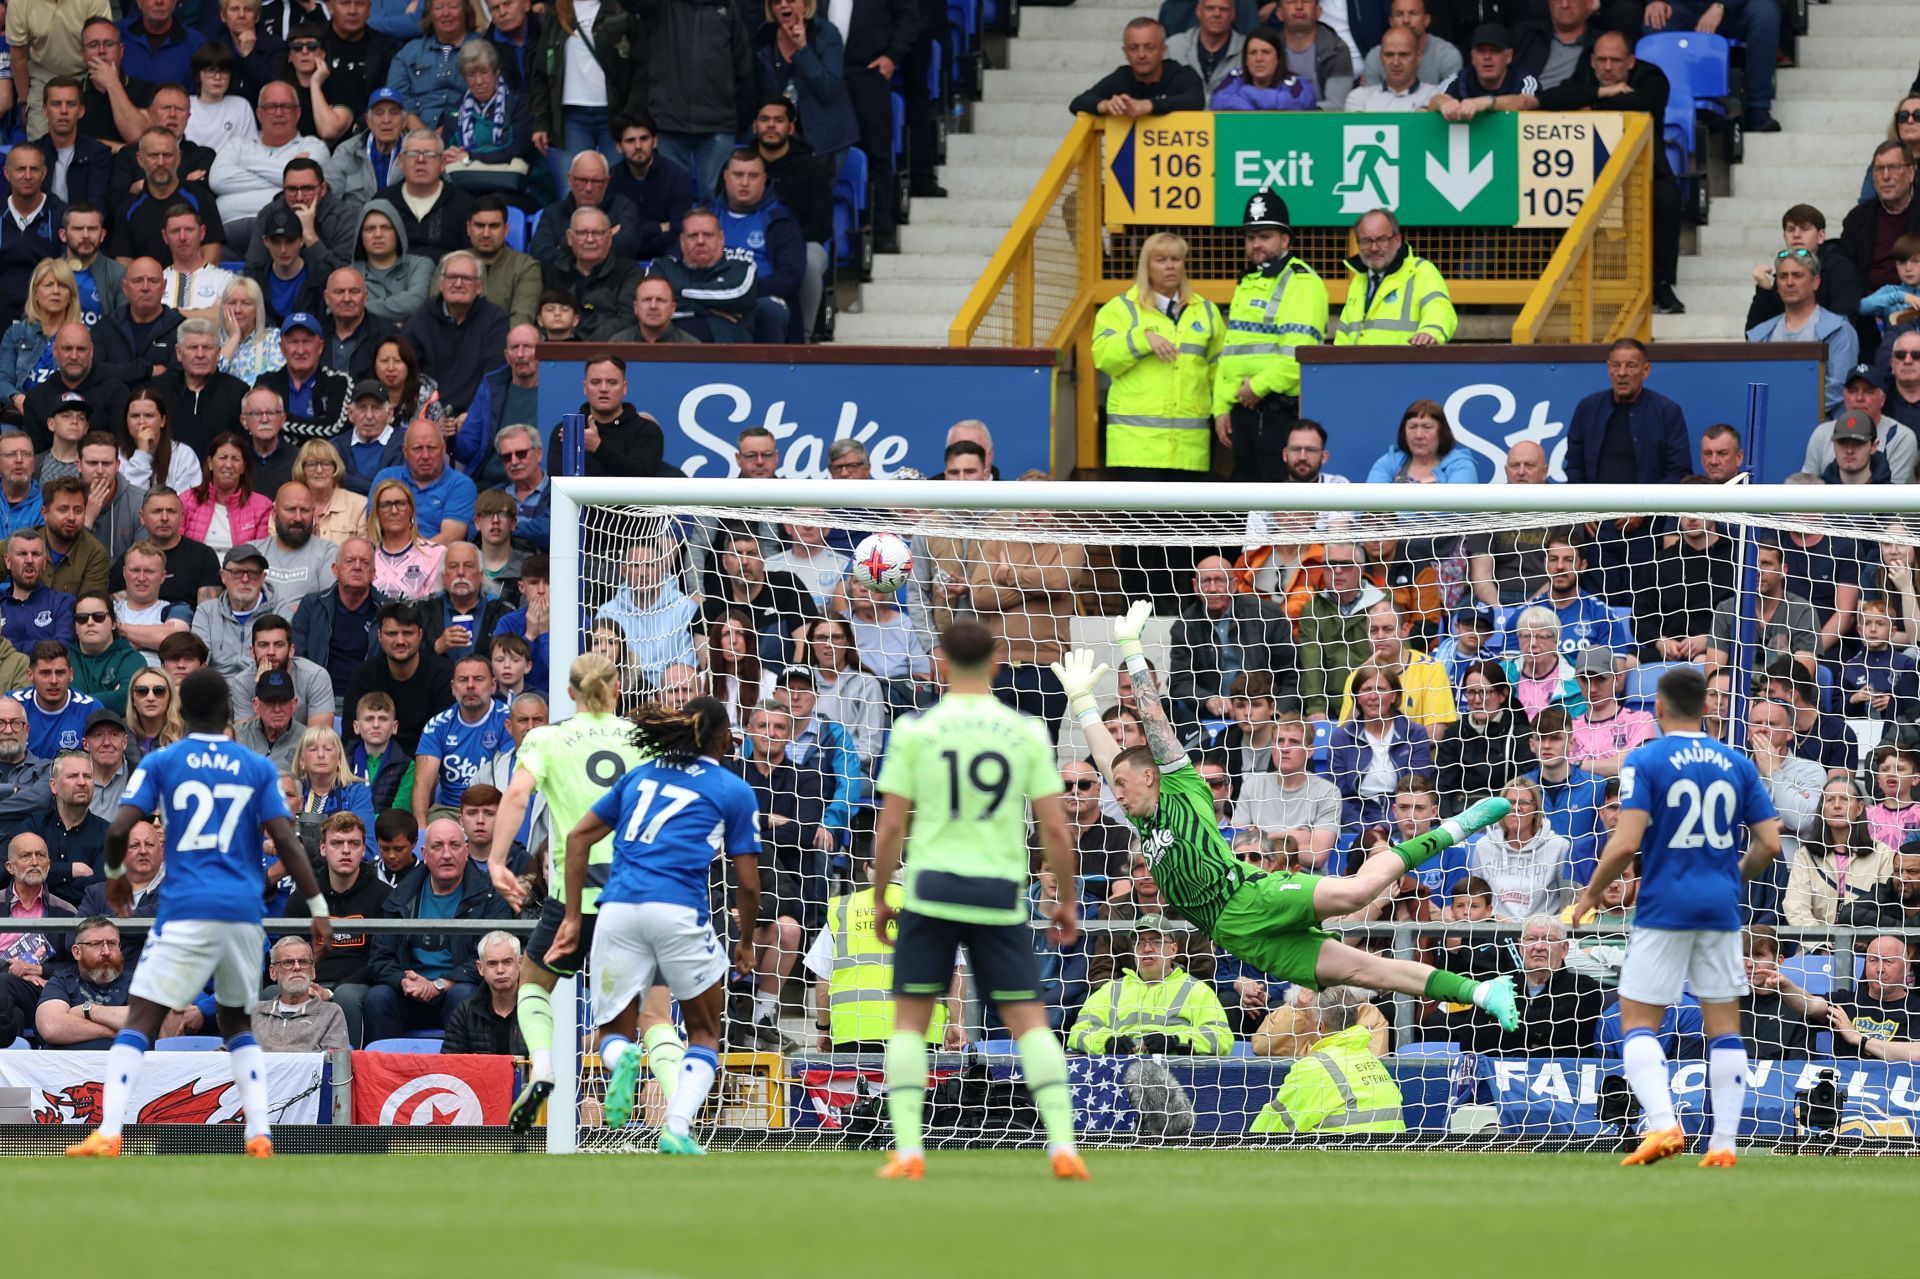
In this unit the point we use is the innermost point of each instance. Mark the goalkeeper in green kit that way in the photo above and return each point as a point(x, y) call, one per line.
point(1268, 920)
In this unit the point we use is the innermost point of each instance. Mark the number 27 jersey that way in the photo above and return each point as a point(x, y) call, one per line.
point(1697, 793)
point(214, 797)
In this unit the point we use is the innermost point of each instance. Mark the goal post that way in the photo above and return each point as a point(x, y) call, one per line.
point(1387, 706)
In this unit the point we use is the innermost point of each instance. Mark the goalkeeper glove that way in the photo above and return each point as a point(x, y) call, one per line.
point(1128, 630)
point(1078, 676)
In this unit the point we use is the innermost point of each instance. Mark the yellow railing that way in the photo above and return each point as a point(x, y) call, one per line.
point(1597, 287)
point(1059, 262)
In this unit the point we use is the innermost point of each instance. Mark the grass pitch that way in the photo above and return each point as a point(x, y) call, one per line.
point(980, 1215)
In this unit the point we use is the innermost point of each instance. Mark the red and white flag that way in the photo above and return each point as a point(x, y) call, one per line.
point(446, 1091)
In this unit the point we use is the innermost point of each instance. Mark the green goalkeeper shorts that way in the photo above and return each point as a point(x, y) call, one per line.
point(1270, 924)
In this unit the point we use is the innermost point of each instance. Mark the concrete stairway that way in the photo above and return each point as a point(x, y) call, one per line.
point(990, 172)
point(1853, 68)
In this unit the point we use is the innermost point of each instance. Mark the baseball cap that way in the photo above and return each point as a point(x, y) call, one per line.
point(1478, 616)
point(385, 95)
point(1862, 373)
point(244, 555)
point(104, 716)
point(303, 320)
point(1493, 33)
point(74, 401)
point(799, 675)
point(280, 221)
point(1853, 425)
point(274, 686)
point(1152, 924)
point(369, 388)
point(1597, 660)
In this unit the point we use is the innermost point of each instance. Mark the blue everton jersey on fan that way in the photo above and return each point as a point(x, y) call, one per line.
point(50, 732)
point(1697, 794)
point(462, 748)
point(214, 796)
point(669, 822)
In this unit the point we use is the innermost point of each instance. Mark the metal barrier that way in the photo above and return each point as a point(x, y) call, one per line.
point(1597, 287)
point(1061, 259)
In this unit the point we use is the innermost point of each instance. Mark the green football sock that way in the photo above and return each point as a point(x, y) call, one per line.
point(1045, 1067)
point(534, 1012)
point(907, 1088)
point(1450, 988)
point(664, 1054)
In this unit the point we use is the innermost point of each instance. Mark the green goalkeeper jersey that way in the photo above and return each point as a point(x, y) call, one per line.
point(969, 764)
point(573, 764)
point(1181, 839)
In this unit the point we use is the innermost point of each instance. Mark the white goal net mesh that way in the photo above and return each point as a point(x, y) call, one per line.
point(1343, 682)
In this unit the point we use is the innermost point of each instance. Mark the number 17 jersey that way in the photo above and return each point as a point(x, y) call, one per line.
point(1697, 793)
point(214, 796)
point(573, 764)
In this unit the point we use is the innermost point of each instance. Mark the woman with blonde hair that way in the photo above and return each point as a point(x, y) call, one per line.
point(1159, 341)
point(405, 565)
point(153, 713)
point(328, 783)
point(249, 346)
point(26, 349)
point(338, 512)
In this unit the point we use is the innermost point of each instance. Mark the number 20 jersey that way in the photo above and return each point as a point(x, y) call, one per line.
point(214, 797)
point(574, 763)
point(670, 820)
point(1697, 794)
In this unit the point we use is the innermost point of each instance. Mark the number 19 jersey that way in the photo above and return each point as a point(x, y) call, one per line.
point(573, 764)
point(1697, 794)
point(969, 764)
point(213, 796)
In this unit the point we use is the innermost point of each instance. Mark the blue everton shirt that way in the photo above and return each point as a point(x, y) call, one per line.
point(214, 797)
point(1697, 793)
point(50, 732)
point(669, 822)
point(462, 748)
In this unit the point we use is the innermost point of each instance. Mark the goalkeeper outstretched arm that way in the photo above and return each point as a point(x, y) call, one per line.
point(1079, 675)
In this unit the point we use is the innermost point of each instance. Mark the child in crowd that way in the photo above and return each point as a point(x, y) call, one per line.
point(512, 659)
point(558, 316)
point(1899, 303)
point(1881, 681)
point(376, 756)
point(215, 116)
point(1894, 817)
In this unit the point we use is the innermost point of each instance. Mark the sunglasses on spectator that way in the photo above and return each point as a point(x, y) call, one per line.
point(1805, 255)
point(151, 690)
point(1911, 354)
point(1085, 783)
point(304, 46)
point(515, 455)
point(91, 617)
point(1905, 117)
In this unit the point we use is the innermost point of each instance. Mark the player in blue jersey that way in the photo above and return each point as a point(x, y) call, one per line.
point(1683, 798)
point(670, 818)
point(213, 797)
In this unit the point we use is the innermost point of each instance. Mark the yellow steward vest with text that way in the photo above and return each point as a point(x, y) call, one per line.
point(860, 991)
point(1339, 1086)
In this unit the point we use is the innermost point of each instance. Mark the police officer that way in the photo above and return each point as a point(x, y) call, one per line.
point(1279, 305)
point(1395, 298)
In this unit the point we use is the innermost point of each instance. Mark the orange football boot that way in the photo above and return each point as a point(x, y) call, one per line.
point(1068, 1166)
point(911, 1168)
point(1656, 1146)
point(1718, 1159)
point(96, 1146)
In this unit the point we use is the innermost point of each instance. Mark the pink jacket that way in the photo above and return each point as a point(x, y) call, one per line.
point(251, 519)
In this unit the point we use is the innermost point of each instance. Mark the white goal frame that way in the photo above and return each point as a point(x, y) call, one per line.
point(572, 494)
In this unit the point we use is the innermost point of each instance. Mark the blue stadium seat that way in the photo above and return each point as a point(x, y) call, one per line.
point(422, 1045)
point(852, 238)
point(1322, 745)
point(189, 1044)
point(1642, 680)
point(516, 228)
point(533, 223)
point(996, 1047)
point(1812, 973)
point(20, 1044)
point(1241, 1048)
point(1702, 62)
point(1432, 1049)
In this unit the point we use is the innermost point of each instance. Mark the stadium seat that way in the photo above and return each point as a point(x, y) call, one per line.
point(533, 223)
point(1241, 1048)
point(421, 1045)
point(1703, 61)
point(852, 236)
point(516, 228)
point(996, 1047)
point(1436, 1048)
point(189, 1044)
point(1812, 973)
point(20, 1043)
point(902, 178)
point(1641, 682)
point(1322, 745)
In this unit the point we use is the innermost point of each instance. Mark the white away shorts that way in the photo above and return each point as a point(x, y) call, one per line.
point(637, 945)
point(180, 956)
point(1661, 961)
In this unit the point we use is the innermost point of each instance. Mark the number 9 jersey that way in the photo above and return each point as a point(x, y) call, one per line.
point(214, 797)
point(670, 821)
point(575, 762)
point(1697, 793)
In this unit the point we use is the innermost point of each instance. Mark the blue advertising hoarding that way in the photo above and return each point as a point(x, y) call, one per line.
point(896, 401)
point(1497, 396)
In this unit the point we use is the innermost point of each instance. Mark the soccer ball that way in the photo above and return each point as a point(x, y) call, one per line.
point(881, 563)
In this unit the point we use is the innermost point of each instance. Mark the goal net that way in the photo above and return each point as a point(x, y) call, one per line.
point(1346, 665)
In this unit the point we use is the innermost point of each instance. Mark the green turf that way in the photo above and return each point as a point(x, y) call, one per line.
point(981, 1215)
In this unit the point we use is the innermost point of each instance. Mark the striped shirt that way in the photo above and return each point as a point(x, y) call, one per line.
point(1190, 862)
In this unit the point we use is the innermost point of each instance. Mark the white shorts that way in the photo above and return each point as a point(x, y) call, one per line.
point(179, 958)
point(1661, 962)
point(637, 945)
